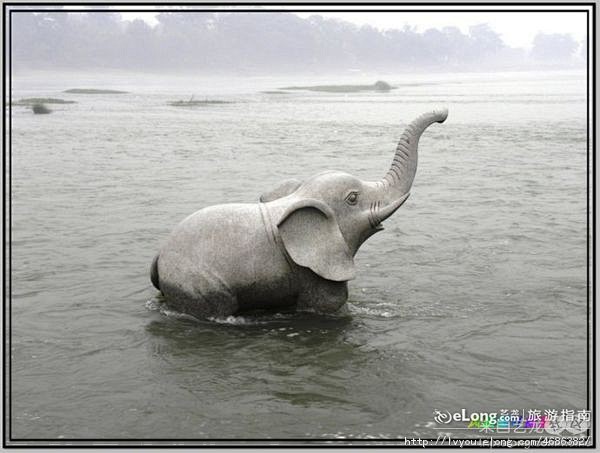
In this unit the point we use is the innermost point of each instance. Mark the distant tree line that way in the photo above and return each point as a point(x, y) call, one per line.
point(266, 43)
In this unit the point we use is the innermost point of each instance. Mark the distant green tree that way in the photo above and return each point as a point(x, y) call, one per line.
point(484, 43)
point(553, 47)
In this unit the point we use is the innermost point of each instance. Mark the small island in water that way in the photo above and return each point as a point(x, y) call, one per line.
point(197, 102)
point(27, 102)
point(38, 105)
point(379, 86)
point(40, 109)
point(94, 91)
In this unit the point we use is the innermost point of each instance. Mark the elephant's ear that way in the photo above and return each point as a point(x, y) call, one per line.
point(282, 190)
point(313, 239)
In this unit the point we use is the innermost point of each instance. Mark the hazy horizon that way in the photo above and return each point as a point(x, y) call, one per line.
point(273, 43)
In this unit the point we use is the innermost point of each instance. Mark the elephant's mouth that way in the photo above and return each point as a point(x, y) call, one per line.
point(374, 218)
point(378, 214)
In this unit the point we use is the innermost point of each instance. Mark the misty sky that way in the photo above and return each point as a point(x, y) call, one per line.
point(270, 42)
point(517, 29)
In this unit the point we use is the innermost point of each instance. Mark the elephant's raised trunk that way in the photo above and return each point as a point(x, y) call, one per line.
point(395, 186)
point(401, 174)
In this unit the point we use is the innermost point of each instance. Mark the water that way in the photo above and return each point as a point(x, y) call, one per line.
point(474, 297)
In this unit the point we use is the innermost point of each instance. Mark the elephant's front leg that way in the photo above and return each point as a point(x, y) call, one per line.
point(322, 296)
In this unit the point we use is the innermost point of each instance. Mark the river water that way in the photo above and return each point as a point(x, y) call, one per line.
point(473, 297)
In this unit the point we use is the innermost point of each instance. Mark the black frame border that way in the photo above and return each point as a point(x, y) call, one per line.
point(8, 8)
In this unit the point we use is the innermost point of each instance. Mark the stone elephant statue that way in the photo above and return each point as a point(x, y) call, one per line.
point(295, 247)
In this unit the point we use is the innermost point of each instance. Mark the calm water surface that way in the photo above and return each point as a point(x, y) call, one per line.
point(474, 297)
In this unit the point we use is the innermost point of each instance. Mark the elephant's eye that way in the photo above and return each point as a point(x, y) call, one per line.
point(352, 198)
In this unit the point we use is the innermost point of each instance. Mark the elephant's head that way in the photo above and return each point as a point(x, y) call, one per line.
point(323, 220)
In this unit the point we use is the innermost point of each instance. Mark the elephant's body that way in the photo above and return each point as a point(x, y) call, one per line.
point(229, 258)
point(294, 248)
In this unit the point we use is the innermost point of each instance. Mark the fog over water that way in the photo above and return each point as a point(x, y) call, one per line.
point(473, 297)
point(279, 43)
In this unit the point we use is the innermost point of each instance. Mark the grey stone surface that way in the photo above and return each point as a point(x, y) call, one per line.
point(295, 247)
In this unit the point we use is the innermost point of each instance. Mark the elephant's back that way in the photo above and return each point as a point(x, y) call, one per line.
point(224, 249)
point(208, 225)
point(212, 236)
